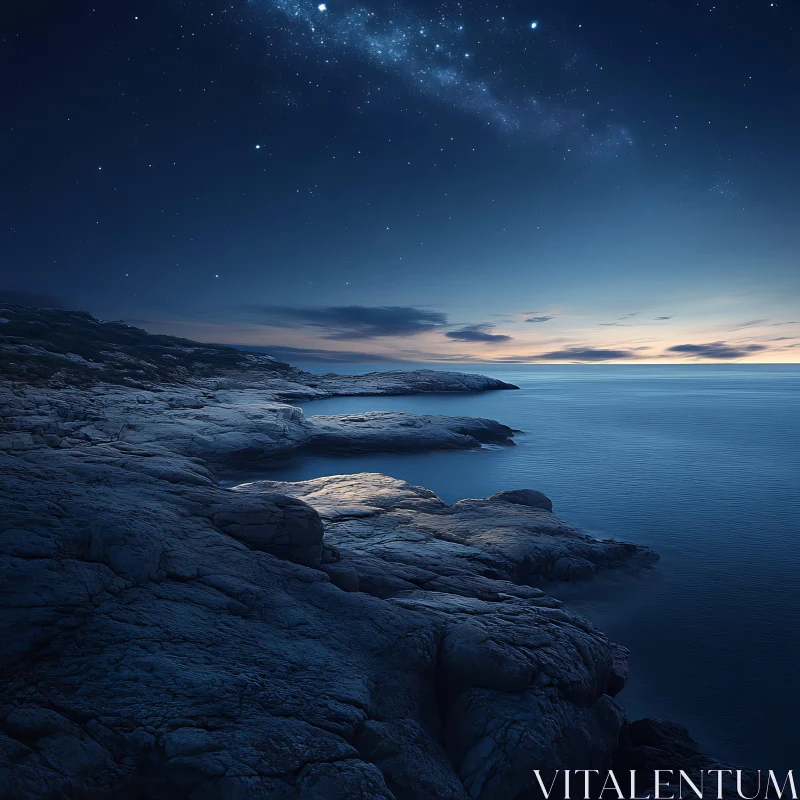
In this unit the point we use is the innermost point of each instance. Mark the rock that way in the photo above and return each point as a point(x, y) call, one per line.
point(619, 670)
point(497, 741)
point(650, 744)
point(396, 432)
point(343, 576)
point(408, 382)
point(524, 497)
point(398, 536)
point(414, 767)
point(138, 595)
point(227, 430)
point(275, 524)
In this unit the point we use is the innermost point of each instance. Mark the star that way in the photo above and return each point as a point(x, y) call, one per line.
point(322, 7)
point(534, 25)
point(258, 147)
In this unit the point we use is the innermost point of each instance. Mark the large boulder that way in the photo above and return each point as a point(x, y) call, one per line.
point(524, 497)
point(283, 526)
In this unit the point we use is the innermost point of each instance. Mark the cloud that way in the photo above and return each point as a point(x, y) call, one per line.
point(355, 322)
point(618, 322)
point(478, 333)
point(660, 318)
point(31, 299)
point(717, 350)
point(539, 319)
point(312, 355)
point(586, 354)
point(753, 323)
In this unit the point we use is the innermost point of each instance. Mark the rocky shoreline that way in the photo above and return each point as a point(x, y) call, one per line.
point(345, 637)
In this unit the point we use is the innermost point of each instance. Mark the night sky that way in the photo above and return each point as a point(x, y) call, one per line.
point(543, 180)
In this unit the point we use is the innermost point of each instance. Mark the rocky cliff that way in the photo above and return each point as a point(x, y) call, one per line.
point(348, 637)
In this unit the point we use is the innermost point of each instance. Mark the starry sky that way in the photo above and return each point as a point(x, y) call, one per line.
point(533, 180)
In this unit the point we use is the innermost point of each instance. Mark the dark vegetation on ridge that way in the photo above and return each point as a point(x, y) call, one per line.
point(45, 346)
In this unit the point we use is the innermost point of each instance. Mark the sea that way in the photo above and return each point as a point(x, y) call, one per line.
point(699, 462)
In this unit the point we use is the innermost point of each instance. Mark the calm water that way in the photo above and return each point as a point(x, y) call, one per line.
point(702, 463)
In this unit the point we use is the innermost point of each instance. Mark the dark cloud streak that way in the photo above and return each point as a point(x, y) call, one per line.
point(354, 322)
point(753, 323)
point(586, 354)
point(293, 355)
point(478, 333)
point(717, 350)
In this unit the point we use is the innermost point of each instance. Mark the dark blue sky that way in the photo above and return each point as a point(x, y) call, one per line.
point(412, 180)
